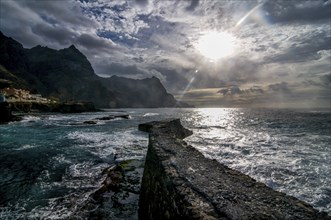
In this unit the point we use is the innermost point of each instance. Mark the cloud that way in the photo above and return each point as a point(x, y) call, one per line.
point(95, 43)
point(61, 35)
point(193, 5)
point(304, 46)
point(256, 89)
point(279, 87)
point(283, 48)
point(142, 2)
point(236, 90)
point(233, 90)
point(299, 11)
point(130, 71)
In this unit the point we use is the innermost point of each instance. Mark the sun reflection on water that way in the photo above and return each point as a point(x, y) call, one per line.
point(275, 147)
point(217, 117)
point(217, 123)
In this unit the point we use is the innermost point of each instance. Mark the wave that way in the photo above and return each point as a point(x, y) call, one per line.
point(30, 118)
point(208, 127)
point(149, 114)
point(26, 146)
point(124, 144)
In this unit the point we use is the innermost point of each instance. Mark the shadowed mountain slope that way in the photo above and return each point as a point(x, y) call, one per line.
point(68, 75)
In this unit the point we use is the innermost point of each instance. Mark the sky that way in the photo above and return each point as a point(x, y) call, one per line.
point(209, 53)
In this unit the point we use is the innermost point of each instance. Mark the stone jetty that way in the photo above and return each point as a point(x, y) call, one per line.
point(180, 183)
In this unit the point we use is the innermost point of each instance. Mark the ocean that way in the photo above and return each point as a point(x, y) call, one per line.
point(50, 164)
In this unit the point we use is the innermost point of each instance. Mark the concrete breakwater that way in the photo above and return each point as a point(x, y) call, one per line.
point(180, 183)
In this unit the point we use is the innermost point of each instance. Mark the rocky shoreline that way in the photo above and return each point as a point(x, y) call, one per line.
point(7, 109)
point(180, 183)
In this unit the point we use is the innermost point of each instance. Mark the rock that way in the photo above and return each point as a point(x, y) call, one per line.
point(118, 196)
point(21, 106)
point(111, 117)
point(6, 113)
point(123, 116)
point(180, 183)
point(90, 122)
point(105, 118)
point(74, 107)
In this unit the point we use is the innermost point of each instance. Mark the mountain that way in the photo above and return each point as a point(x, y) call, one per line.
point(67, 74)
point(143, 93)
point(12, 63)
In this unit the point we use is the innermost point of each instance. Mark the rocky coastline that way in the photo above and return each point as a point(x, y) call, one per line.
point(8, 109)
point(180, 183)
point(6, 113)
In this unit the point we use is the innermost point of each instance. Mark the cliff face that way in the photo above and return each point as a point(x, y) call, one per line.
point(180, 183)
point(12, 63)
point(140, 93)
point(67, 74)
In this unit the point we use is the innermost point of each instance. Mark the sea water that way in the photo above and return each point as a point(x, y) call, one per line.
point(51, 163)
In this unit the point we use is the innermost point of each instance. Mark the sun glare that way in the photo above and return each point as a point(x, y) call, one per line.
point(216, 45)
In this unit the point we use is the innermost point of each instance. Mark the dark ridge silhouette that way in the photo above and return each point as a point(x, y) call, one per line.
point(67, 74)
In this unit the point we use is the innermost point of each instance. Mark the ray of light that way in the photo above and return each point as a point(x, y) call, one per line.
point(187, 87)
point(248, 14)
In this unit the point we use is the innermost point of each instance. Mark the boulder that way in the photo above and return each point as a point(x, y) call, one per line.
point(90, 122)
point(6, 113)
point(111, 117)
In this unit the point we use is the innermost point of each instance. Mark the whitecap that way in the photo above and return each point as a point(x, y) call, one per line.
point(150, 114)
point(26, 146)
point(128, 143)
point(30, 118)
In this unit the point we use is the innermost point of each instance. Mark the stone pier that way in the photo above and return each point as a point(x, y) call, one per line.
point(180, 183)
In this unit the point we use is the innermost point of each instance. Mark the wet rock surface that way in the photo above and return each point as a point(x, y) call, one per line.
point(111, 117)
point(180, 183)
point(117, 198)
point(106, 118)
point(6, 113)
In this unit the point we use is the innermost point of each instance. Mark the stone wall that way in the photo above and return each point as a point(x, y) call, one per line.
point(179, 183)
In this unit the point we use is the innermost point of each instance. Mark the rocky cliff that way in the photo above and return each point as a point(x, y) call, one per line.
point(148, 93)
point(67, 74)
point(180, 183)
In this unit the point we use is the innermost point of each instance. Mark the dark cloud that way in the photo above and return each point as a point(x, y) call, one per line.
point(256, 89)
point(43, 22)
point(279, 87)
point(235, 90)
point(326, 80)
point(305, 48)
point(118, 69)
point(138, 59)
point(142, 2)
point(321, 82)
point(66, 12)
point(60, 34)
point(193, 5)
point(297, 11)
point(92, 42)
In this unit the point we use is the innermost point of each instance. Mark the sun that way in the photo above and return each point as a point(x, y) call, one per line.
point(216, 45)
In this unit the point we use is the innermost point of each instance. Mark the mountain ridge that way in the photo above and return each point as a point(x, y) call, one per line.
point(66, 74)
